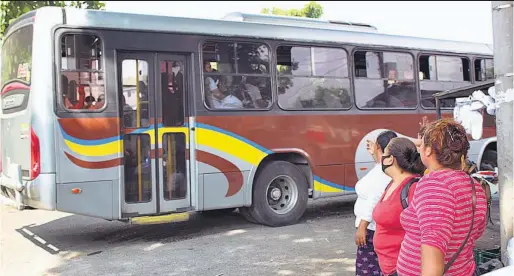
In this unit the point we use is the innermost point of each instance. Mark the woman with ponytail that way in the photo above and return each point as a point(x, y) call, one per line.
point(402, 162)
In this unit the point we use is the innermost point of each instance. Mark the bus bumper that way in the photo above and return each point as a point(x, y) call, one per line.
point(39, 193)
point(14, 182)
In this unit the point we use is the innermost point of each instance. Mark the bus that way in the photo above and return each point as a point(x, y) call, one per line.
point(144, 118)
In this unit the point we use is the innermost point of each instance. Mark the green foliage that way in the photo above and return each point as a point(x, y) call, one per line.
point(10, 10)
point(310, 10)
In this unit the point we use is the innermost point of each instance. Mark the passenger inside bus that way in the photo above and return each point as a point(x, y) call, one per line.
point(126, 112)
point(250, 86)
point(100, 103)
point(218, 94)
point(89, 102)
point(80, 103)
point(396, 93)
point(172, 84)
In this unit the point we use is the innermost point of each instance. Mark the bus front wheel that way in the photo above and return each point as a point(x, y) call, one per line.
point(280, 194)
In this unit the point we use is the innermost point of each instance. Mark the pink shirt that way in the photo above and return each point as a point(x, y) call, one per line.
point(440, 216)
point(389, 231)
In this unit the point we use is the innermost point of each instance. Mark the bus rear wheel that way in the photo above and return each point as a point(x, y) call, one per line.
point(245, 213)
point(280, 194)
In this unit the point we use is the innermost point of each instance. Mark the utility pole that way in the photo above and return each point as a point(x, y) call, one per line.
point(503, 23)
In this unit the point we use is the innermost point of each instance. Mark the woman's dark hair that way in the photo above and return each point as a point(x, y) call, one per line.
point(89, 99)
point(384, 138)
point(406, 155)
point(448, 140)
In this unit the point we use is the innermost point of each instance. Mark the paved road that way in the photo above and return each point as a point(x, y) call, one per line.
point(37, 242)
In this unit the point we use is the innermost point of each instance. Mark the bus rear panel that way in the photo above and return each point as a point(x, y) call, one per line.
point(26, 124)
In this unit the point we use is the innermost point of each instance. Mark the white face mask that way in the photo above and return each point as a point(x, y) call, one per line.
point(175, 70)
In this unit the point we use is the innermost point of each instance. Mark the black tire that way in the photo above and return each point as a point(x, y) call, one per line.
point(489, 160)
point(261, 210)
point(245, 213)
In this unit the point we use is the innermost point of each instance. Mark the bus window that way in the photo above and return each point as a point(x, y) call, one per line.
point(17, 56)
point(440, 73)
point(484, 69)
point(134, 74)
point(137, 168)
point(236, 75)
point(384, 80)
point(313, 78)
point(174, 166)
point(172, 85)
point(82, 77)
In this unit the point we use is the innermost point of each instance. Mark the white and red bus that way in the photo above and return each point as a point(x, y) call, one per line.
point(126, 116)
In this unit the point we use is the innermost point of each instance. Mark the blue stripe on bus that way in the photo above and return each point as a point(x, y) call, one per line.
point(97, 142)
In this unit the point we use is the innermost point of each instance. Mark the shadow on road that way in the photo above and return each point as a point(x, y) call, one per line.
point(89, 236)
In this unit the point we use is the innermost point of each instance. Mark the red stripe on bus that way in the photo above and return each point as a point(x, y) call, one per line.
point(90, 128)
point(232, 173)
point(94, 165)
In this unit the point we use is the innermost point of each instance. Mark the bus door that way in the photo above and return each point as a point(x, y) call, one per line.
point(154, 130)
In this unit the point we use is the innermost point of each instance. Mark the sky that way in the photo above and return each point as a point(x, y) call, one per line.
point(451, 20)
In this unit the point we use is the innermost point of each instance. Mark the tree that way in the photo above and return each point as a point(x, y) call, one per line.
point(10, 10)
point(310, 10)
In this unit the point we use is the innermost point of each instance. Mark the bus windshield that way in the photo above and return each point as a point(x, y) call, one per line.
point(17, 56)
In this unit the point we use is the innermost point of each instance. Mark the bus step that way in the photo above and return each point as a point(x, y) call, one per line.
point(176, 217)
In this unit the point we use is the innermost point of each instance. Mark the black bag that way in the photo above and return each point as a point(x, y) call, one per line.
point(404, 195)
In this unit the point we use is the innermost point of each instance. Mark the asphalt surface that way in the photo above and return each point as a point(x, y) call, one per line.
point(35, 242)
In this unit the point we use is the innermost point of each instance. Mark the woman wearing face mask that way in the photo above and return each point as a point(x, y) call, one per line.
point(448, 211)
point(401, 161)
point(369, 189)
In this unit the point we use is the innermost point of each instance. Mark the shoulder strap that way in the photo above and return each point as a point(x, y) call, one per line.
point(473, 207)
point(404, 195)
point(472, 168)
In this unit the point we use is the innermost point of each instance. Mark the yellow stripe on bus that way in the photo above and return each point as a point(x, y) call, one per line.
point(112, 148)
point(230, 145)
point(324, 188)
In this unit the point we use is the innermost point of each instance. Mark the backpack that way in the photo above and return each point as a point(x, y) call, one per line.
point(404, 195)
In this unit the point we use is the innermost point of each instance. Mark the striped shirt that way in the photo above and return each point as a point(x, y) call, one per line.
point(440, 216)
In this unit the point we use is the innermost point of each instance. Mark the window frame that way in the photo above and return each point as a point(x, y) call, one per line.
point(60, 104)
point(270, 73)
point(429, 53)
point(415, 79)
point(475, 58)
point(349, 77)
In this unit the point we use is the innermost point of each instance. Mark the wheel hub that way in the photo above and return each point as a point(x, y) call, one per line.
point(282, 194)
point(276, 193)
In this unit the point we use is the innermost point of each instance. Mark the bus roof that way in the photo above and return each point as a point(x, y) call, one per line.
point(259, 29)
point(299, 21)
